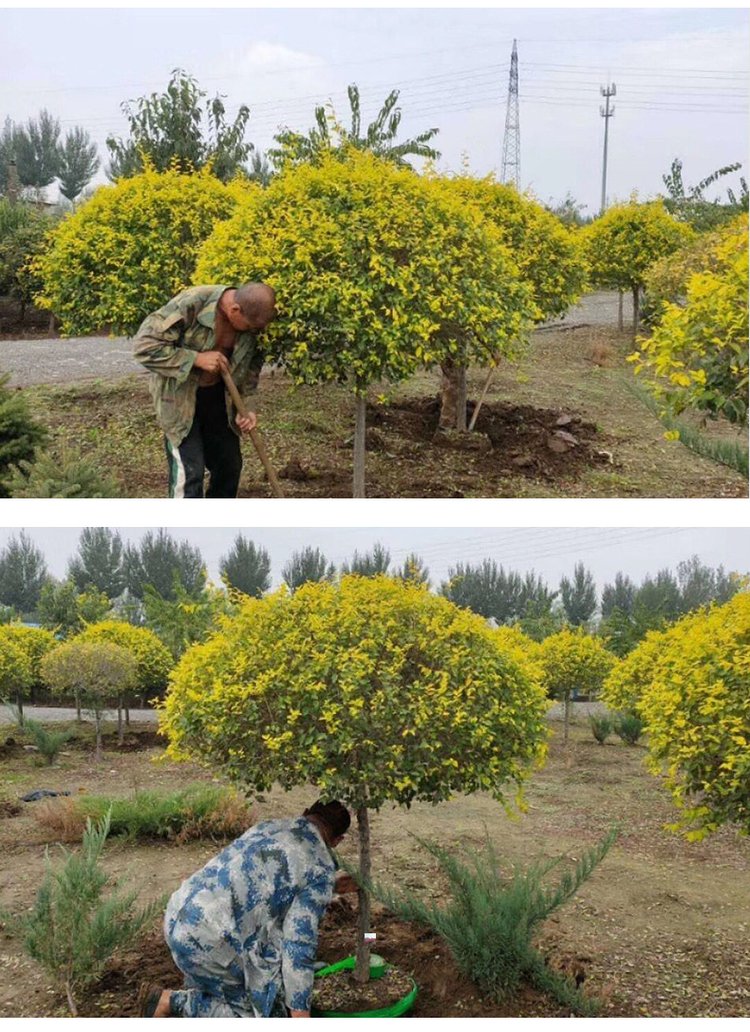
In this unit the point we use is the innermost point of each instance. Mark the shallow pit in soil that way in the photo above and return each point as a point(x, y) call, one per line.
point(339, 991)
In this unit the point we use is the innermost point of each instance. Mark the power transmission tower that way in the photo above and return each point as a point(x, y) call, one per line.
point(606, 112)
point(512, 138)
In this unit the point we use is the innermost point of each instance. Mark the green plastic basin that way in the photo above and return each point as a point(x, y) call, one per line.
point(396, 1010)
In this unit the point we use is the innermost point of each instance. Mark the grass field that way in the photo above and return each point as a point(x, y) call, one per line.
point(661, 929)
point(578, 373)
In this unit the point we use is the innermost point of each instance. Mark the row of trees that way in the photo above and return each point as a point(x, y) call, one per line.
point(39, 155)
point(162, 583)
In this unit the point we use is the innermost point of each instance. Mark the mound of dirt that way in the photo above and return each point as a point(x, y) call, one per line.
point(512, 439)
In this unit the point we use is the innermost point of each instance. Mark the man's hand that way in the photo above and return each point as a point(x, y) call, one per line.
point(345, 883)
point(212, 362)
point(299, 1014)
point(247, 423)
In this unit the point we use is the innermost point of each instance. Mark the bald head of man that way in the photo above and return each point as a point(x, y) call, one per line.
point(250, 307)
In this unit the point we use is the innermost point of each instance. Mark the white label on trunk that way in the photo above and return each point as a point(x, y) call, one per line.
point(370, 936)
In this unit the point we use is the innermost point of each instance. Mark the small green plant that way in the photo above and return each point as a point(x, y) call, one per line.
point(198, 811)
point(491, 918)
point(20, 434)
point(49, 743)
point(73, 930)
point(63, 476)
point(601, 727)
point(629, 727)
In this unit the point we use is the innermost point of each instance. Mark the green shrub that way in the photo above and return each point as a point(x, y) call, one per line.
point(23, 233)
point(73, 930)
point(67, 476)
point(198, 811)
point(629, 727)
point(492, 916)
point(49, 743)
point(20, 435)
point(601, 727)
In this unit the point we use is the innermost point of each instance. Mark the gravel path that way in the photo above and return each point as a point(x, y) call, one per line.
point(44, 714)
point(83, 358)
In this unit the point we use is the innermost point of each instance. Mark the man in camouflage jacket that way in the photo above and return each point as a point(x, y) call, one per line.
point(185, 346)
point(244, 929)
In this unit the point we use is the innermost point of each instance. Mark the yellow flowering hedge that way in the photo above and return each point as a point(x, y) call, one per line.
point(698, 352)
point(152, 658)
point(15, 668)
point(130, 248)
point(549, 255)
point(692, 686)
point(625, 242)
point(377, 270)
point(372, 689)
point(522, 649)
point(35, 642)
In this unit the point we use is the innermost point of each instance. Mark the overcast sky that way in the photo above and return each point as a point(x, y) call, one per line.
point(681, 78)
point(551, 552)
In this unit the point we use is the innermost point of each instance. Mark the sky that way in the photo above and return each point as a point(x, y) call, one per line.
point(681, 77)
point(551, 552)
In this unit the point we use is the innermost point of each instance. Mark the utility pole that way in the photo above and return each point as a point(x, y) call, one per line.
point(606, 112)
point(512, 139)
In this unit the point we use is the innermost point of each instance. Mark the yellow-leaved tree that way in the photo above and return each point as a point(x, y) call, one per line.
point(130, 248)
point(625, 242)
point(574, 662)
point(697, 354)
point(34, 643)
point(373, 689)
point(377, 271)
point(550, 259)
point(689, 685)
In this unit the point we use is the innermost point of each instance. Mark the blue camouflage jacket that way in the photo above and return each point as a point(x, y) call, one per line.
point(253, 912)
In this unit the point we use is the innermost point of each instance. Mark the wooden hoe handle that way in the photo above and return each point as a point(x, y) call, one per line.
point(255, 436)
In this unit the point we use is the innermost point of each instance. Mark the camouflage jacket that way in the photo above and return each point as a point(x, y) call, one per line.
point(251, 914)
point(167, 343)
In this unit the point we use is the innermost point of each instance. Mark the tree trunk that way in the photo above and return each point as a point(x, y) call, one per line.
point(127, 713)
point(52, 324)
point(362, 970)
point(79, 718)
point(453, 396)
point(619, 311)
point(71, 1001)
point(120, 729)
point(19, 706)
point(98, 752)
point(636, 308)
point(360, 426)
point(567, 717)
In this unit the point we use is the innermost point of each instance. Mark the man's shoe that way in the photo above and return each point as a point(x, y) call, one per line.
point(149, 996)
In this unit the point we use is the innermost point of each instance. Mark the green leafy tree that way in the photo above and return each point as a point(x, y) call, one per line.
point(368, 564)
point(494, 592)
point(129, 248)
point(165, 565)
point(689, 204)
point(578, 596)
point(23, 233)
point(95, 673)
point(573, 663)
point(246, 568)
point(619, 595)
point(259, 170)
point(365, 259)
point(185, 618)
point(34, 643)
point(15, 670)
point(689, 686)
point(7, 154)
point(697, 354)
point(37, 150)
point(372, 689)
point(20, 436)
point(65, 610)
point(73, 929)
point(180, 129)
point(625, 242)
point(309, 564)
point(78, 163)
point(99, 562)
point(569, 211)
point(23, 572)
point(330, 137)
point(414, 569)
